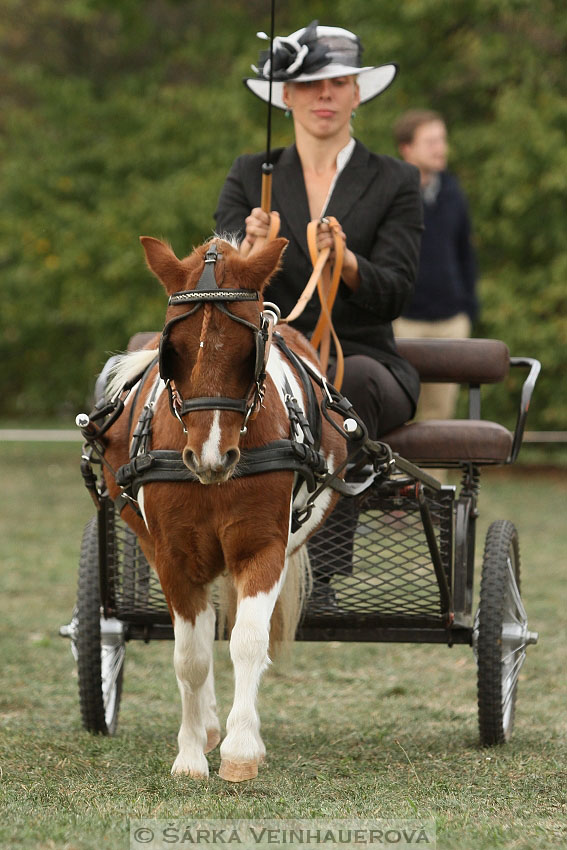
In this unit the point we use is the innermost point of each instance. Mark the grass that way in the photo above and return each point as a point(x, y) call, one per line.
point(353, 730)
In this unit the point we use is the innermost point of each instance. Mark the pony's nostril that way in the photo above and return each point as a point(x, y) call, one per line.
point(231, 458)
point(190, 459)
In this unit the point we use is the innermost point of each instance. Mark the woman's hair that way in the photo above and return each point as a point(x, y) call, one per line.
point(407, 124)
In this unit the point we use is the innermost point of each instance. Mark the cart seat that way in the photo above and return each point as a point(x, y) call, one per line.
point(463, 361)
point(451, 441)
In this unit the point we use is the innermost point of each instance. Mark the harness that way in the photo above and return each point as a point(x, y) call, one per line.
point(299, 453)
point(208, 291)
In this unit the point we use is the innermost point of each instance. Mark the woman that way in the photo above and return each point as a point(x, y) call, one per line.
point(318, 78)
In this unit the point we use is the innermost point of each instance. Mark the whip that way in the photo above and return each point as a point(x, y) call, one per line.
point(267, 166)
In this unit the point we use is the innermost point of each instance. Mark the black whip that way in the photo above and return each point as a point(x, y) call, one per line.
point(267, 166)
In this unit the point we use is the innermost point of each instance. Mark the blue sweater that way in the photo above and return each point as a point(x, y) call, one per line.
point(446, 278)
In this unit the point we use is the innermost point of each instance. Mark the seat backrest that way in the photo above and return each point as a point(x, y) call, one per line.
point(140, 340)
point(459, 361)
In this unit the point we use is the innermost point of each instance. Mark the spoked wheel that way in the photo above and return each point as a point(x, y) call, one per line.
point(99, 644)
point(500, 634)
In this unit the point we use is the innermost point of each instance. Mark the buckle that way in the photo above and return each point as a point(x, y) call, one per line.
point(142, 463)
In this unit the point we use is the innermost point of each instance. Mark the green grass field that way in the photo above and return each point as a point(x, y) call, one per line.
point(352, 730)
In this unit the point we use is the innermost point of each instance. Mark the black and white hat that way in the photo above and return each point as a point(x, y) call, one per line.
point(317, 53)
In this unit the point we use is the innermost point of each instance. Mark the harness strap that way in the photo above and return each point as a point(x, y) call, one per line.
point(143, 431)
point(239, 405)
point(167, 465)
point(142, 383)
point(313, 410)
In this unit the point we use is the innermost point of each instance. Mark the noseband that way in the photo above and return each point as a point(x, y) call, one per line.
point(208, 292)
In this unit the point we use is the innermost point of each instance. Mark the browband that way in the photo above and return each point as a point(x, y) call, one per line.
point(207, 288)
point(189, 295)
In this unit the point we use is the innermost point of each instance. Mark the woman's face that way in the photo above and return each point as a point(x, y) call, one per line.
point(323, 108)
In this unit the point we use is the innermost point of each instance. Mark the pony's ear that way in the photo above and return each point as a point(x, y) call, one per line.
point(256, 270)
point(164, 264)
point(267, 261)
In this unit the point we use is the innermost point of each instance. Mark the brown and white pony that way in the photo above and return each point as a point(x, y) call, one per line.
point(192, 532)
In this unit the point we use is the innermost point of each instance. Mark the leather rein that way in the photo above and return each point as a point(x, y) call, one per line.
point(325, 279)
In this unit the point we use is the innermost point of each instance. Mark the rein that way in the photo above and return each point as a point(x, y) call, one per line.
point(327, 288)
point(326, 283)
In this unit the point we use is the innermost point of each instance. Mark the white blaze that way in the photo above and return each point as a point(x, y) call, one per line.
point(210, 453)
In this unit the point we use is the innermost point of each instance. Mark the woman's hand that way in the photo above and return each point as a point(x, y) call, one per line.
point(257, 226)
point(325, 239)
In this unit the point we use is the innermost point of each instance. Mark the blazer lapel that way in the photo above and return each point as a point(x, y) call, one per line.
point(352, 182)
point(289, 197)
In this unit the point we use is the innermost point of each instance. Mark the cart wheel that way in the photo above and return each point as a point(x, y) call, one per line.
point(100, 645)
point(500, 634)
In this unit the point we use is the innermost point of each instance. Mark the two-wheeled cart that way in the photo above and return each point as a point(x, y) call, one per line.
point(409, 542)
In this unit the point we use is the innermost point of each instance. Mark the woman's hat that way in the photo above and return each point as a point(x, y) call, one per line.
point(317, 53)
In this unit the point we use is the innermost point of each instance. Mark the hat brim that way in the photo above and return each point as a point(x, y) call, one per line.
point(372, 81)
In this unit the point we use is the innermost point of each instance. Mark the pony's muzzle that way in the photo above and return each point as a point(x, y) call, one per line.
point(211, 473)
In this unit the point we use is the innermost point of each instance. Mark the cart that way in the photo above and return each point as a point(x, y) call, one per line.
point(412, 554)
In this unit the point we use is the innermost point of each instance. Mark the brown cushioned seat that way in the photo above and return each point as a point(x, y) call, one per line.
point(450, 441)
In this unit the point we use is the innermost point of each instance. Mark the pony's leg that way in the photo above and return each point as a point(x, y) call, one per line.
point(212, 725)
point(192, 659)
point(243, 749)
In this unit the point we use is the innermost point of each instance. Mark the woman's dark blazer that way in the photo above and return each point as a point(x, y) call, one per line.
point(377, 201)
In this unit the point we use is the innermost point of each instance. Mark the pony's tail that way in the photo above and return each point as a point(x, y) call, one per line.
point(288, 609)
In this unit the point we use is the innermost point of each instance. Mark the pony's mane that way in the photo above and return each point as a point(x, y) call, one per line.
point(231, 238)
point(127, 366)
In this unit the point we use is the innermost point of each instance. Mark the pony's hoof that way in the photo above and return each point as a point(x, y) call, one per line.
point(238, 771)
point(182, 767)
point(194, 774)
point(213, 739)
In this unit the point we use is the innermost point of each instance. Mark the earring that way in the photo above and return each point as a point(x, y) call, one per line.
point(353, 113)
point(287, 113)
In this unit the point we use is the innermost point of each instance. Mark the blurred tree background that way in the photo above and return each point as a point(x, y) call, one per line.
point(122, 117)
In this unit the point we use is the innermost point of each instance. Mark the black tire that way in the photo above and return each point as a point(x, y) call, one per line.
point(99, 696)
point(500, 634)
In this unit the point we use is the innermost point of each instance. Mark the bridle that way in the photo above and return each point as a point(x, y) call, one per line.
point(207, 292)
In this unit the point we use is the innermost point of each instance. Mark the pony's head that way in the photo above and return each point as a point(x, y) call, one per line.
point(214, 345)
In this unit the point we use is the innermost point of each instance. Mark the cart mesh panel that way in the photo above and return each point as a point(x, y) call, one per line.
point(370, 562)
point(372, 558)
point(133, 589)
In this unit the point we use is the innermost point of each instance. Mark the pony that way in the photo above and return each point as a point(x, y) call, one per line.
point(220, 391)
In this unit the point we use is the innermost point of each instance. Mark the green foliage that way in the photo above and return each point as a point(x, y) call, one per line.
point(122, 118)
